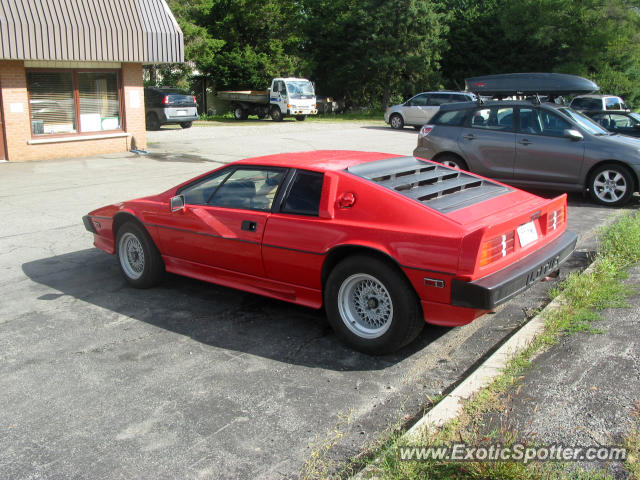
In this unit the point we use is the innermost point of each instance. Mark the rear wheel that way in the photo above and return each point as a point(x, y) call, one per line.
point(454, 161)
point(276, 114)
point(152, 121)
point(239, 113)
point(186, 124)
point(301, 118)
point(396, 121)
point(611, 185)
point(371, 306)
point(140, 261)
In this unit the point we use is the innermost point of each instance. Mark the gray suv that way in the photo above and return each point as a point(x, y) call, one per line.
point(534, 145)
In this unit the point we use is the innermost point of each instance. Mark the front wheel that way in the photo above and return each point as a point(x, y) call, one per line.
point(186, 124)
point(611, 185)
point(276, 114)
point(371, 306)
point(396, 121)
point(301, 118)
point(140, 261)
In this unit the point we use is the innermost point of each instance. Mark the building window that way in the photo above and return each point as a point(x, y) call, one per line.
point(68, 102)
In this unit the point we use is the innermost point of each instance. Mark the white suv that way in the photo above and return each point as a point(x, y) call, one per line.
point(419, 109)
point(598, 103)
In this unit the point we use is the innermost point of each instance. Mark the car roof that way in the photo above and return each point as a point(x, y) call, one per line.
point(470, 94)
point(596, 96)
point(319, 160)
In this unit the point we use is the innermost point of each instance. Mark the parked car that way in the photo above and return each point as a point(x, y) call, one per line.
point(419, 109)
point(534, 146)
point(166, 105)
point(597, 103)
point(383, 242)
point(625, 123)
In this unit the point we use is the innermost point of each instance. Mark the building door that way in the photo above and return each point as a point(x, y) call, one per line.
point(3, 155)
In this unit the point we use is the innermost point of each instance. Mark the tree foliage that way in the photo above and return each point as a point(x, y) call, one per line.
point(368, 51)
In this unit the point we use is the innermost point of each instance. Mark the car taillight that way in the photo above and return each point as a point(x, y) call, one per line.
point(194, 99)
point(426, 130)
point(496, 248)
point(555, 220)
point(165, 100)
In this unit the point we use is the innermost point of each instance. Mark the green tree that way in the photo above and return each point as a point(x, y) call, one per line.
point(368, 50)
point(240, 43)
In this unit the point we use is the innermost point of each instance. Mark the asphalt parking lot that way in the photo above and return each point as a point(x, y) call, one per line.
point(191, 380)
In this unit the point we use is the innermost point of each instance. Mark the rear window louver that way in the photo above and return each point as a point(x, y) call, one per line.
point(441, 188)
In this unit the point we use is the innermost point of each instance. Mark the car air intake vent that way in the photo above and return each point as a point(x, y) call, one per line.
point(441, 188)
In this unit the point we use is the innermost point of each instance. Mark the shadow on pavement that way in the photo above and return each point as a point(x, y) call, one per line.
point(218, 316)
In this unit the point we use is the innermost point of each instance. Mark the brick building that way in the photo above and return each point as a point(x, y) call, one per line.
point(71, 74)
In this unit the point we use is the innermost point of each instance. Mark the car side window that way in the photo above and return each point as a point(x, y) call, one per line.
point(249, 189)
point(418, 101)
point(304, 195)
point(529, 121)
point(454, 118)
point(493, 118)
point(553, 125)
point(437, 99)
point(621, 121)
point(200, 192)
point(613, 103)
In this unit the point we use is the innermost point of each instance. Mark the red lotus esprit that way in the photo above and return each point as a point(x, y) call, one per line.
point(384, 242)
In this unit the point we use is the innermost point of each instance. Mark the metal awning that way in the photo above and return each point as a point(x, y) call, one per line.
point(141, 31)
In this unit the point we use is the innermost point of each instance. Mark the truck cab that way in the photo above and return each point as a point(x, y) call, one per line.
point(292, 97)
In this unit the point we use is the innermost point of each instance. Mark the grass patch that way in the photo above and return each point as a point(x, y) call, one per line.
point(583, 296)
point(351, 116)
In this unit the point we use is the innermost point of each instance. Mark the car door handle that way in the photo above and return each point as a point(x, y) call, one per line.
point(249, 226)
point(469, 136)
point(524, 141)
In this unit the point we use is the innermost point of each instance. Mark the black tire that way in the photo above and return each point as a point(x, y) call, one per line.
point(611, 184)
point(389, 293)
point(152, 121)
point(301, 118)
point(451, 160)
point(140, 274)
point(186, 124)
point(396, 121)
point(276, 114)
point(239, 113)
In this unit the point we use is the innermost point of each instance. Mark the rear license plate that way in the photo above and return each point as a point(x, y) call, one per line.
point(181, 113)
point(527, 234)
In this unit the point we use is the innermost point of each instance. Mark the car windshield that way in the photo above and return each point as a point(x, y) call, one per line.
point(300, 89)
point(584, 122)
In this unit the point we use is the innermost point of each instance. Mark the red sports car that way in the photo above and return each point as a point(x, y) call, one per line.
point(384, 242)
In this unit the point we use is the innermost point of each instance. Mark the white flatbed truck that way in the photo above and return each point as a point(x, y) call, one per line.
point(286, 97)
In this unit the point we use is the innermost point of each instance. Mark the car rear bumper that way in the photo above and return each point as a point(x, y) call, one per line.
point(488, 292)
point(88, 224)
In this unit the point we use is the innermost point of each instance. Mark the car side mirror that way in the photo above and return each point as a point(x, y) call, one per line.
point(573, 135)
point(177, 203)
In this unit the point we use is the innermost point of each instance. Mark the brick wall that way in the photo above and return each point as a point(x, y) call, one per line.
point(15, 105)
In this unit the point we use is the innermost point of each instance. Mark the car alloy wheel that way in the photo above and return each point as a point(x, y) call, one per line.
point(611, 185)
point(131, 255)
point(365, 305)
point(139, 258)
point(396, 122)
point(371, 305)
